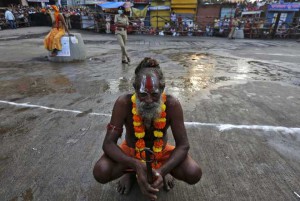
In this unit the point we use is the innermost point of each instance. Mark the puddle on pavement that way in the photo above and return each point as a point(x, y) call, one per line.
point(204, 70)
point(193, 72)
point(119, 85)
point(199, 68)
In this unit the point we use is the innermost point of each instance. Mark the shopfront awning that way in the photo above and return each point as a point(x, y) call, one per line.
point(152, 8)
point(93, 2)
point(45, 1)
point(111, 4)
point(258, 12)
point(284, 7)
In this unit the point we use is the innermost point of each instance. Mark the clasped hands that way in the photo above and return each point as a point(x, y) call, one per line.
point(147, 189)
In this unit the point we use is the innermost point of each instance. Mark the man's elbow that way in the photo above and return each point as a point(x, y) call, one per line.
point(105, 147)
point(184, 147)
point(187, 147)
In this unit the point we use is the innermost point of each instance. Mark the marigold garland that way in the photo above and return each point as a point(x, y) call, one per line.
point(140, 145)
point(158, 134)
point(139, 132)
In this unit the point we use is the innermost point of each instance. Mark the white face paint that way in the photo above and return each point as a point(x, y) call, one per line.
point(148, 90)
point(120, 12)
point(148, 98)
point(149, 84)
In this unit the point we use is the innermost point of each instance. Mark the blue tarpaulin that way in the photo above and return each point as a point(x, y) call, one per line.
point(111, 4)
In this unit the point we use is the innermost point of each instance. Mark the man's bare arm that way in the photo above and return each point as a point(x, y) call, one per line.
point(110, 146)
point(64, 23)
point(180, 136)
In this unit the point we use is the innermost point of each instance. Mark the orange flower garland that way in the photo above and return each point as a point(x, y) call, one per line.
point(139, 132)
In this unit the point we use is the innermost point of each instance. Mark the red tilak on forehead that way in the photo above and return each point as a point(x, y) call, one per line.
point(149, 83)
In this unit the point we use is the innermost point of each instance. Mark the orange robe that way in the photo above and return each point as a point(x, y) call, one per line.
point(166, 152)
point(52, 40)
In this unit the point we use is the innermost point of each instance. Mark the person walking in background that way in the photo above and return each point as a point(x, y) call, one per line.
point(10, 18)
point(234, 24)
point(122, 22)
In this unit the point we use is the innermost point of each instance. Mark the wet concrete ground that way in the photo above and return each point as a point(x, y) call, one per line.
point(241, 101)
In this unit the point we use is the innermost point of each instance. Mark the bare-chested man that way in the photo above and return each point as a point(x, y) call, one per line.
point(146, 114)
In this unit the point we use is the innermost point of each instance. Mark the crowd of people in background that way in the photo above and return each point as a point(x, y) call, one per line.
point(18, 16)
point(21, 14)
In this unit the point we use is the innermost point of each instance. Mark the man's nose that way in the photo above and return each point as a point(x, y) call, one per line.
point(148, 99)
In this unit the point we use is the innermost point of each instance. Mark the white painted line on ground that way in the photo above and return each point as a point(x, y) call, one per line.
point(221, 127)
point(276, 54)
point(51, 108)
point(297, 194)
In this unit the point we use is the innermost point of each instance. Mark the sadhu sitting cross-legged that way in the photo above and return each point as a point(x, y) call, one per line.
point(147, 114)
point(59, 29)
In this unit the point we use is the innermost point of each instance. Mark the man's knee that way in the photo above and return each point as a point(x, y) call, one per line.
point(195, 174)
point(190, 172)
point(101, 173)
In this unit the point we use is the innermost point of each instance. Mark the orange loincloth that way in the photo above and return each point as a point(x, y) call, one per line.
point(52, 40)
point(129, 151)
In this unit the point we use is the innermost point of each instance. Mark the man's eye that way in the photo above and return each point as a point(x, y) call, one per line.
point(143, 94)
point(155, 94)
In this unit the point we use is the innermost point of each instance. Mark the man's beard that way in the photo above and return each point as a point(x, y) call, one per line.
point(148, 112)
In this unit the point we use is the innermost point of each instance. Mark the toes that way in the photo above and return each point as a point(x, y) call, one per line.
point(122, 191)
point(126, 191)
point(169, 183)
point(167, 188)
point(119, 188)
point(124, 184)
point(172, 183)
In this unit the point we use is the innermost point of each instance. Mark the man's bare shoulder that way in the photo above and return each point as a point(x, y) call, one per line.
point(122, 106)
point(124, 100)
point(172, 101)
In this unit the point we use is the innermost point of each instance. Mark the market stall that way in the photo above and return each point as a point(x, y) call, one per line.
point(187, 9)
point(286, 14)
point(159, 13)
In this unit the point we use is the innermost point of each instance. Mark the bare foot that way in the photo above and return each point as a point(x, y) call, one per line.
point(53, 54)
point(169, 182)
point(125, 183)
